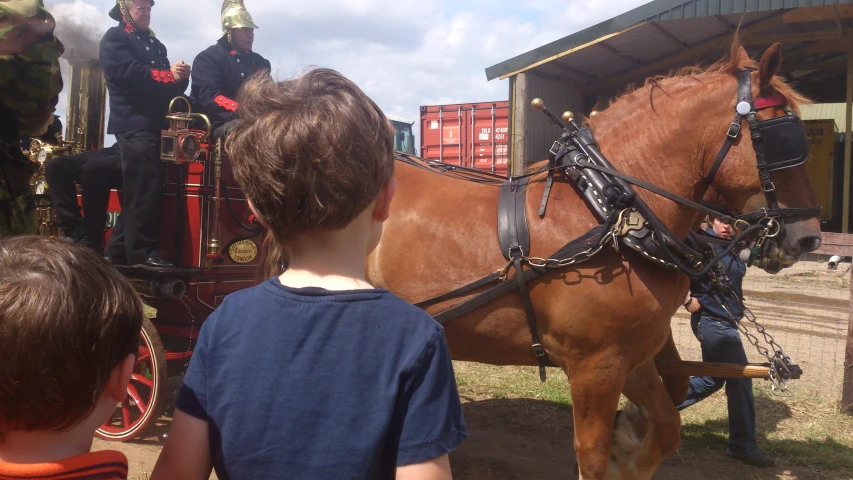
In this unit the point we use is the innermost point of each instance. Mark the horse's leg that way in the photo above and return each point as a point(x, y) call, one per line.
point(596, 384)
point(676, 385)
point(647, 430)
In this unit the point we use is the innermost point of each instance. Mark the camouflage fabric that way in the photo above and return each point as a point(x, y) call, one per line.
point(30, 83)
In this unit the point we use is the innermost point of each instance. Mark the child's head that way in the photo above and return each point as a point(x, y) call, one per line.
point(69, 331)
point(311, 153)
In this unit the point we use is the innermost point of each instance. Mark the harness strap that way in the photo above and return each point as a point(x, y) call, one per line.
point(731, 135)
point(488, 279)
point(549, 182)
point(589, 238)
point(538, 349)
point(763, 173)
point(659, 191)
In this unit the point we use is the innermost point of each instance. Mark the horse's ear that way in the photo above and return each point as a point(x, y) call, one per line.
point(738, 58)
point(770, 63)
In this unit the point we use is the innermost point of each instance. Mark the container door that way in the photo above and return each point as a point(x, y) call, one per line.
point(490, 141)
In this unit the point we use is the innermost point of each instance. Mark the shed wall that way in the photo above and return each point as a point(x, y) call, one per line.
point(539, 133)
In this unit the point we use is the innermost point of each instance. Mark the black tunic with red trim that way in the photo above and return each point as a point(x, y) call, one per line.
point(218, 72)
point(139, 79)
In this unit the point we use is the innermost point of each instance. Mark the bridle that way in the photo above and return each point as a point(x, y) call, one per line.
point(785, 136)
point(779, 143)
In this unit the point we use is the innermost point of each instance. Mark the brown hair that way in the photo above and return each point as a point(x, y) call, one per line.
point(311, 153)
point(67, 319)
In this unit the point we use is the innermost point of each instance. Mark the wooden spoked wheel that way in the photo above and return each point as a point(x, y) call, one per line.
point(145, 401)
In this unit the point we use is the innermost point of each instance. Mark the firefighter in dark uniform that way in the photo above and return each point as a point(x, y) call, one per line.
point(97, 173)
point(141, 84)
point(219, 71)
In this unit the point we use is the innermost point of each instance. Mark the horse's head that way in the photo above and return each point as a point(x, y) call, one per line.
point(782, 146)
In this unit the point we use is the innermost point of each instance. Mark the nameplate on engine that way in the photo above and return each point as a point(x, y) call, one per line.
point(243, 251)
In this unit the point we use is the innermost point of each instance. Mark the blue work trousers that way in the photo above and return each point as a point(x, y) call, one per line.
point(721, 342)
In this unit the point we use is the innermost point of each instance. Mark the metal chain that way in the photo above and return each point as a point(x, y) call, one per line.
point(780, 366)
point(552, 263)
point(580, 257)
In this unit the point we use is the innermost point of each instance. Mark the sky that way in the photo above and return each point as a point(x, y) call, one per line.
point(402, 53)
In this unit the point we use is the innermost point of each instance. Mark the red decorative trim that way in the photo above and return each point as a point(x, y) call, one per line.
point(767, 102)
point(226, 103)
point(128, 28)
point(162, 76)
point(233, 52)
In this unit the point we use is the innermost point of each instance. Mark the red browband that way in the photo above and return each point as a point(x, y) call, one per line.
point(768, 102)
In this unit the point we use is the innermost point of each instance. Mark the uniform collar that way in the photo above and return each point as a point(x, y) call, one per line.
point(128, 28)
point(223, 42)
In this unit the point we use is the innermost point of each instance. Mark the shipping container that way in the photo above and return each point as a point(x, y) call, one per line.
point(820, 166)
point(473, 135)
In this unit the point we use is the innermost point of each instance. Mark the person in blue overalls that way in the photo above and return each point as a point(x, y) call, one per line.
point(714, 318)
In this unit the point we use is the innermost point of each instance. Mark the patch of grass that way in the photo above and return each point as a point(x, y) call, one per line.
point(479, 382)
point(803, 430)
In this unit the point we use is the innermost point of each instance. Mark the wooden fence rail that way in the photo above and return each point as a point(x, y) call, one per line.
point(842, 244)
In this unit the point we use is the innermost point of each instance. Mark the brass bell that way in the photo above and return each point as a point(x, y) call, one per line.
point(568, 116)
point(537, 104)
point(593, 113)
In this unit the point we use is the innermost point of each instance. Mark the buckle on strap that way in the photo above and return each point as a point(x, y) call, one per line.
point(538, 350)
point(769, 186)
point(734, 129)
point(741, 224)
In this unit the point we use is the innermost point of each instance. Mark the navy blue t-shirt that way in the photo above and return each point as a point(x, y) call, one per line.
point(315, 384)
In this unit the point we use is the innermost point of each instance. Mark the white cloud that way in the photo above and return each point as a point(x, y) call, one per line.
point(403, 53)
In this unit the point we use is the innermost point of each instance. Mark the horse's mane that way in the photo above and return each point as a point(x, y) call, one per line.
point(728, 66)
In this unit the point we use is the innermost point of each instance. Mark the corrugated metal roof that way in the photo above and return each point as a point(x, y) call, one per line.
point(664, 11)
point(826, 111)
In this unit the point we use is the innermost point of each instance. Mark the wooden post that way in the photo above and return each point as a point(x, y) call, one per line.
point(845, 203)
point(847, 386)
point(520, 105)
point(710, 369)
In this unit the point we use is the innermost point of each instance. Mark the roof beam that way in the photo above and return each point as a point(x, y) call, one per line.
point(621, 54)
point(793, 38)
point(725, 23)
point(573, 71)
point(818, 14)
point(719, 42)
point(838, 66)
point(826, 46)
point(672, 38)
point(546, 76)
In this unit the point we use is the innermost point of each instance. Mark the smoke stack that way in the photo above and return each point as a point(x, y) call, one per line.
point(87, 96)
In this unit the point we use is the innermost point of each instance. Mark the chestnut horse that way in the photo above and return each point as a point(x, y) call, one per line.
point(601, 321)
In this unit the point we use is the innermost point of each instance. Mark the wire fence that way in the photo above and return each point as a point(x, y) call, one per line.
point(805, 308)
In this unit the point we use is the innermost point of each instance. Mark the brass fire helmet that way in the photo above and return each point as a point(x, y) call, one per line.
point(235, 15)
point(119, 8)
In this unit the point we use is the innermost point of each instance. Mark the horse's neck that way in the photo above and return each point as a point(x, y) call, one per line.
point(667, 147)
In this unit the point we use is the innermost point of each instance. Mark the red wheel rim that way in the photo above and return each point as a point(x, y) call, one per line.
point(140, 392)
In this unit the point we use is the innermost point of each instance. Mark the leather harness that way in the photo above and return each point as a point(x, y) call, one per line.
point(625, 217)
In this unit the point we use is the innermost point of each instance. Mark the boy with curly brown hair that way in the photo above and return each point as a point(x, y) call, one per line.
point(316, 374)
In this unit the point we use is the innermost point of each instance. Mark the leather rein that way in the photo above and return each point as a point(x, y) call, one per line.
point(626, 218)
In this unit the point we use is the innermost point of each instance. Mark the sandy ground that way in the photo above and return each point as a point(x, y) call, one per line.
point(806, 310)
point(522, 439)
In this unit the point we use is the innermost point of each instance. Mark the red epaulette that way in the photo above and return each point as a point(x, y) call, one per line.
point(162, 76)
point(226, 103)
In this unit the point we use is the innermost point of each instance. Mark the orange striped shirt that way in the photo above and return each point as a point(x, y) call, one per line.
point(103, 465)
